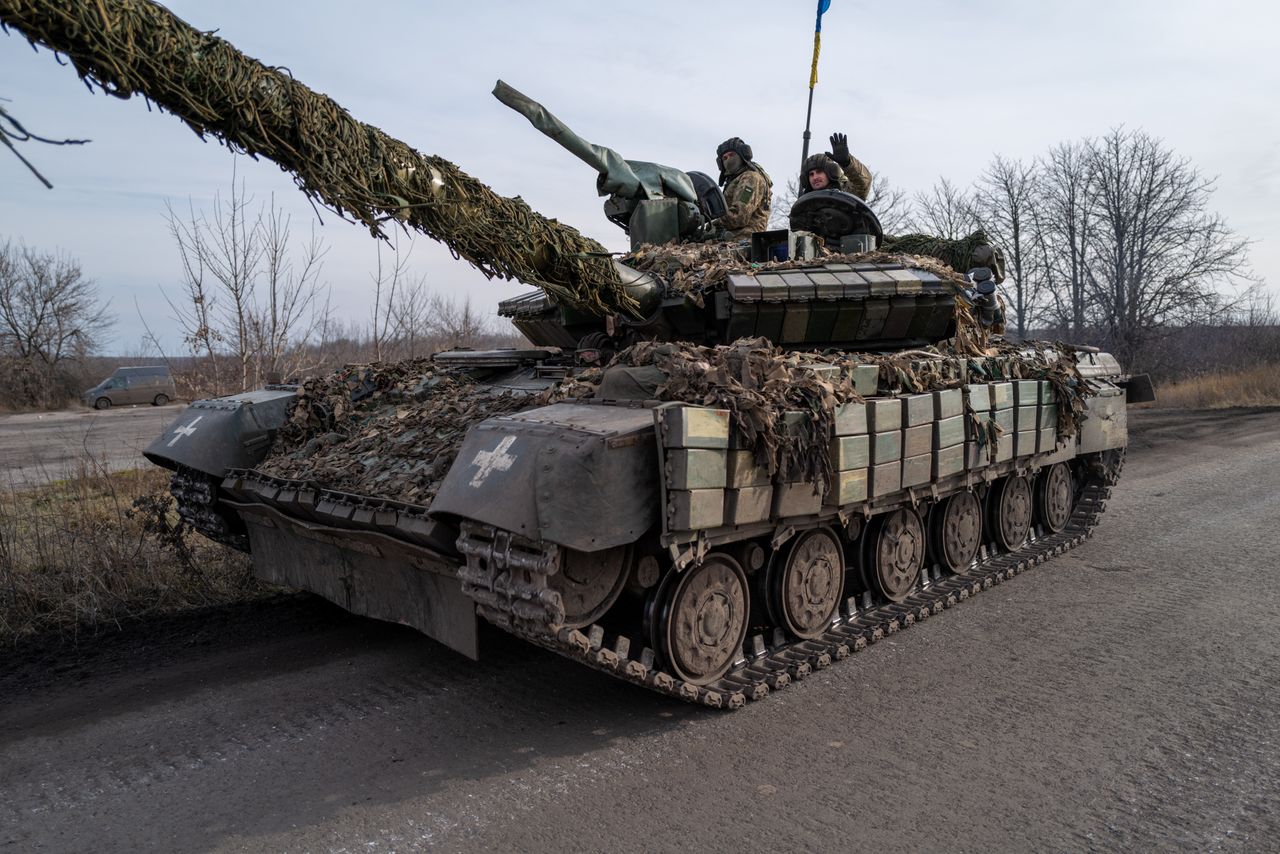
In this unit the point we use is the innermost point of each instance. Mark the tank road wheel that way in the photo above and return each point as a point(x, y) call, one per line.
point(895, 553)
point(704, 620)
point(589, 583)
point(1053, 497)
point(955, 531)
point(805, 588)
point(1010, 511)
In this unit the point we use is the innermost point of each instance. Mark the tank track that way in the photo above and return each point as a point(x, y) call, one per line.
point(196, 494)
point(777, 662)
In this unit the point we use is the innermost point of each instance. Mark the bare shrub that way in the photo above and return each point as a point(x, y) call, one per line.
point(89, 551)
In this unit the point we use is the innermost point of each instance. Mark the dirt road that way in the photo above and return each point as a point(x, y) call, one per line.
point(36, 447)
point(1121, 697)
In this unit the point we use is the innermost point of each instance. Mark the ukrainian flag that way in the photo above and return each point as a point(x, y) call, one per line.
point(823, 5)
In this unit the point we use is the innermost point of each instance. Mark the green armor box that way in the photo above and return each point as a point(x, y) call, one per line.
point(748, 505)
point(1001, 395)
point(917, 470)
point(695, 427)
point(695, 509)
point(847, 487)
point(1048, 440)
point(851, 419)
point(948, 461)
point(743, 472)
point(978, 396)
point(948, 432)
point(886, 447)
point(1027, 418)
point(696, 468)
point(886, 414)
point(976, 456)
point(948, 403)
point(919, 409)
point(1004, 448)
point(886, 478)
point(1025, 442)
point(1026, 392)
point(866, 379)
point(795, 499)
point(917, 440)
point(850, 452)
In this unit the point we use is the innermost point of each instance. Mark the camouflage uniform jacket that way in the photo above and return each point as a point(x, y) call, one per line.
point(748, 199)
point(857, 178)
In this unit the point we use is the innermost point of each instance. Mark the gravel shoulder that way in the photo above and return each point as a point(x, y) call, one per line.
point(1120, 697)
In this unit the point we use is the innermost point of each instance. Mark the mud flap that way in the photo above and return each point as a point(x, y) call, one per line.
point(365, 573)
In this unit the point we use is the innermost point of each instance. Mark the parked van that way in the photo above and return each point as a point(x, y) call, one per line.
point(152, 384)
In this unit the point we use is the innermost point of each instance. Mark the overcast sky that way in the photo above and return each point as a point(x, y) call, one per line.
point(923, 89)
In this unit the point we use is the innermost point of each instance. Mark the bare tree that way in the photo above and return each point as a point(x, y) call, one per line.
point(1063, 225)
point(1004, 200)
point(943, 211)
point(50, 319)
point(386, 280)
point(411, 314)
point(194, 311)
point(251, 294)
point(892, 205)
point(1158, 256)
point(457, 323)
point(49, 312)
point(291, 310)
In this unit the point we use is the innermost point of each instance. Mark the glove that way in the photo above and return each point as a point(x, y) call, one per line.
point(840, 148)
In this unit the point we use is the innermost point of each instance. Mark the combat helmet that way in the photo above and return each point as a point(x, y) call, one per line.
point(734, 144)
point(824, 163)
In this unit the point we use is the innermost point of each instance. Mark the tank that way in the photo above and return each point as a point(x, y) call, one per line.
point(716, 467)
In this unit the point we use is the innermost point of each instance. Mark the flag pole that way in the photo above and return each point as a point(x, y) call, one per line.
point(823, 5)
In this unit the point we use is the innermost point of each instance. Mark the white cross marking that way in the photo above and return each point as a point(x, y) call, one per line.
point(183, 431)
point(498, 459)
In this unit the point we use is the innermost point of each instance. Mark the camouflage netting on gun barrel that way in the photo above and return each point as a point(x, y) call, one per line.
point(127, 47)
point(393, 430)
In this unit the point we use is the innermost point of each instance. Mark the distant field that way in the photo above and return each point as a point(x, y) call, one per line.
point(1259, 386)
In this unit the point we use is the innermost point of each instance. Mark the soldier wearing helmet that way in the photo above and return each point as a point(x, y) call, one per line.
point(748, 192)
point(838, 170)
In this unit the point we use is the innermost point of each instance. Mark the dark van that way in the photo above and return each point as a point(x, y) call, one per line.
point(151, 384)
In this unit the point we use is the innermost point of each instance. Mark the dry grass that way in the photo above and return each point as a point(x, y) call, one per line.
point(78, 555)
point(1257, 386)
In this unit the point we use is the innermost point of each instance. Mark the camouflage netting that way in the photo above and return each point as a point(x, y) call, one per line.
point(956, 254)
point(127, 47)
point(393, 430)
point(388, 430)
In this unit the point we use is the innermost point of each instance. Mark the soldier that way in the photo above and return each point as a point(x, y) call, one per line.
point(839, 170)
point(749, 194)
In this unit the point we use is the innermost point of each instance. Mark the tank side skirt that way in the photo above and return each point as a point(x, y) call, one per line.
point(775, 665)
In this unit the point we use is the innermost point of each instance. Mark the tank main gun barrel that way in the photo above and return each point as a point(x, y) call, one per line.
point(128, 47)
